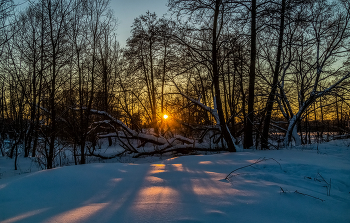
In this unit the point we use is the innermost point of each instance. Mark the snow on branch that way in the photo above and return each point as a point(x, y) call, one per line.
point(163, 145)
point(178, 148)
point(132, 133)
point(212, 111)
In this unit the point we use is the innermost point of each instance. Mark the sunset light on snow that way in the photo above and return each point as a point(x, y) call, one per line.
point(174, 111)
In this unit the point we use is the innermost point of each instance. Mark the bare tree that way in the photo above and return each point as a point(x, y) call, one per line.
point(276, 72)
point(143, 49)
point(215, 11)
point(314, 67)
point(6, 12)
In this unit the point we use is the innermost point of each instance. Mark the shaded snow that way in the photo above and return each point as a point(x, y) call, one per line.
point(189, 189)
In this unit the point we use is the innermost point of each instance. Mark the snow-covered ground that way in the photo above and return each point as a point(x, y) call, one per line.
point(290, 187)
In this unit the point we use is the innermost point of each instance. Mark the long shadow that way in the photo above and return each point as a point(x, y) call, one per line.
point(128, 193)
point(70, 200)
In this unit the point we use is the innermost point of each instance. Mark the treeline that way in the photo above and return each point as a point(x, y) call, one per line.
point(244, 69)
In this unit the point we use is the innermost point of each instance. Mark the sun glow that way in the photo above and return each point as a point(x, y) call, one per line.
point(165, 116)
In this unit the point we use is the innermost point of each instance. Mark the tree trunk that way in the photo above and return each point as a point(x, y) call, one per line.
point(225, 132)
point(292, 131)
point(271, 98)
point(248, 131)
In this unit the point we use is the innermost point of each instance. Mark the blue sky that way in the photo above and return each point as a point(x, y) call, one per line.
point(127, 10)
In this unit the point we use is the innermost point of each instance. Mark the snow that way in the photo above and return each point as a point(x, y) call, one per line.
point(188, 189)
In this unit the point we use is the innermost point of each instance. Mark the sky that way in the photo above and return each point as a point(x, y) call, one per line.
point(127, 10)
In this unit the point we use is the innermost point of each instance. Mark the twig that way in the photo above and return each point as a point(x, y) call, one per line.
point(309, 195)
point(282, 190)
point(328, 185)
point(258, 161)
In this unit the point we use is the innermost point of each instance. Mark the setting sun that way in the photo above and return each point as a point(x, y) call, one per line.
point(165, 116)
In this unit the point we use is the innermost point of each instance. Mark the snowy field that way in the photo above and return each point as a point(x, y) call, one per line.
point(304, 184)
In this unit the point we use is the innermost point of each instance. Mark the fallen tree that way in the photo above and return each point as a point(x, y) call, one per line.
point(212, 138)
point(161, 144)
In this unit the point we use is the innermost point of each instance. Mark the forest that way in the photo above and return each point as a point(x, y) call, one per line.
point(211, 75)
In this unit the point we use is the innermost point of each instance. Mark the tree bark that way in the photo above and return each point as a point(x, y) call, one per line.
point(271, 98)
point(225, 132)
point(248, 131)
